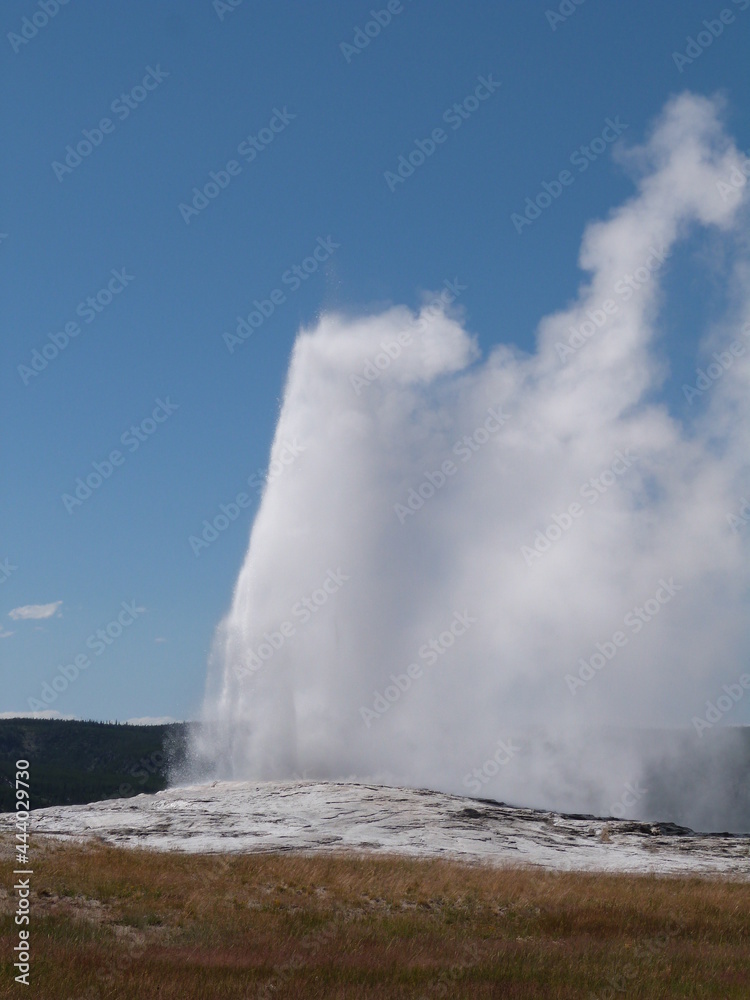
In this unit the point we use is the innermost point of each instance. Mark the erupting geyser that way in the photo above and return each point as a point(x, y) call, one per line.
point(469, 570)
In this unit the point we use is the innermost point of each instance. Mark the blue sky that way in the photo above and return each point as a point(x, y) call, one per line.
point(145, 371)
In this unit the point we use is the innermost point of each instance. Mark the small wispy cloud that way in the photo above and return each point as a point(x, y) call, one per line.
point(4, 634)
point(35, 611)
point(160, 638)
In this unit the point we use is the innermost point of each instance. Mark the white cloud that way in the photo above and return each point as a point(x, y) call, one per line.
point(4, 634)
point(35, 611)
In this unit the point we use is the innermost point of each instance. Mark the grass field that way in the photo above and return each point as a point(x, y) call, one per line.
point(113, 923)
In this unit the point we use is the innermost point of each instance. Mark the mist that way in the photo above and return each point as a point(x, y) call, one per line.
point(522, 576)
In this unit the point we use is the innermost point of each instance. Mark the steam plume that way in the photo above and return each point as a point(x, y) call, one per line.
point(367, 547)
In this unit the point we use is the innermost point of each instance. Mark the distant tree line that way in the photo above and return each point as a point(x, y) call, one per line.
point(73, 762)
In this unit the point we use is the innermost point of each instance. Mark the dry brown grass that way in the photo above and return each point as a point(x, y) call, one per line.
point(133, 924)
